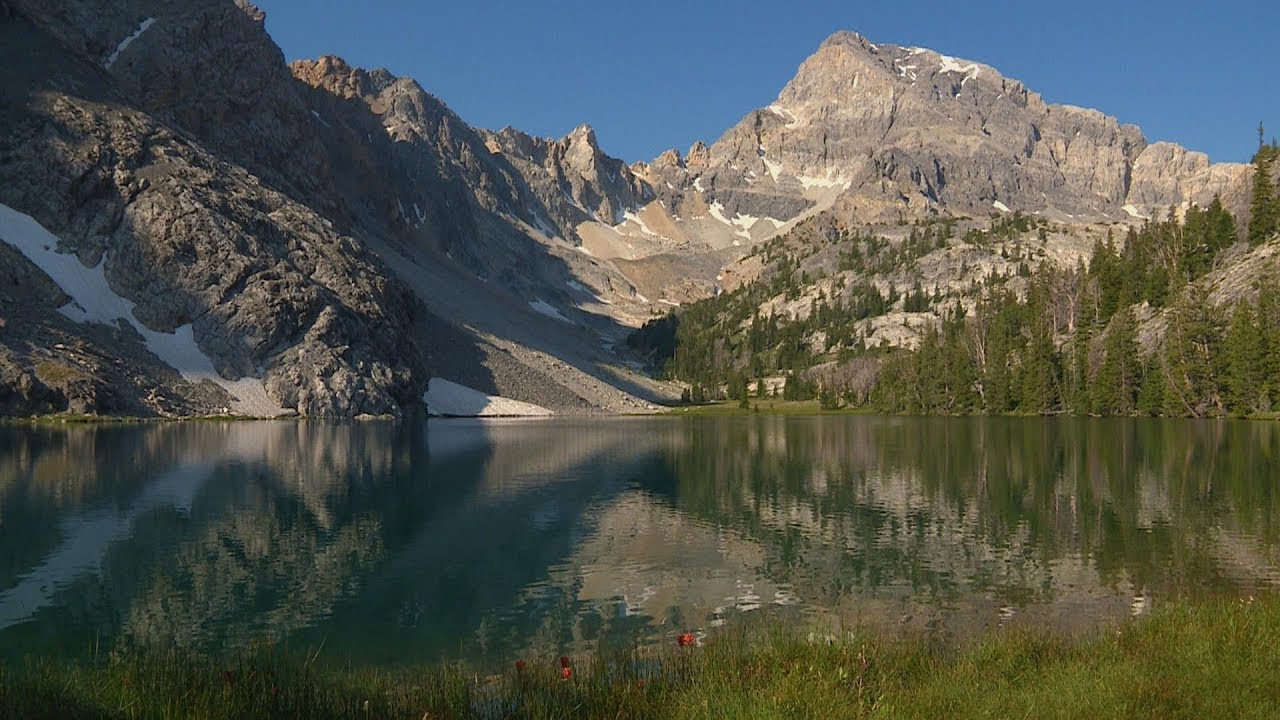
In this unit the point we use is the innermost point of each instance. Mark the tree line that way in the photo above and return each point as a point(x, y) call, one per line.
point(1131, 332)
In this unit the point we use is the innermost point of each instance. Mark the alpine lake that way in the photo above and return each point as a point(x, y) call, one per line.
point(388, 543)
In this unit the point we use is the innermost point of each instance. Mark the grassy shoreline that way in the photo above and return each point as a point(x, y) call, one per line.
point(1202, 659)
point(757, 406)
point(768, 406)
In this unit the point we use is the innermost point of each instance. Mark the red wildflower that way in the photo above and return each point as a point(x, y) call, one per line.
point(564, 661)
point(566, 672)
point(228, 677)
point(520, 666)
point(684, 639)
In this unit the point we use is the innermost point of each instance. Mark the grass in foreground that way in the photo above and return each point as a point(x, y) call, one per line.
point(1205, 660)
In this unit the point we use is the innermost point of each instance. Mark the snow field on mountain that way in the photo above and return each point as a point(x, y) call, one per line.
point(93, 300)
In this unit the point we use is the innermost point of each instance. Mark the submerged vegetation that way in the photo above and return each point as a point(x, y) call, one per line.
point(1212, 659)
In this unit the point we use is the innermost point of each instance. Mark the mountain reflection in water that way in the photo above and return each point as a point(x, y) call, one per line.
point(412, 541)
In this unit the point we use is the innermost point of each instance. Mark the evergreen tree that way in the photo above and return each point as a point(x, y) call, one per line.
point(1078, 395)
point(1116, 386)
point(1268, 318)
point(1221, 226)
point(995, 377)
point(1190, 349)
point(1264, 210)
point(1039, 373)
point(1242, 363)
point(961, 376)
point(1151, 394)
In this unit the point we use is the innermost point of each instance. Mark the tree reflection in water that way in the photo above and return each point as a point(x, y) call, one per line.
point(396, 542)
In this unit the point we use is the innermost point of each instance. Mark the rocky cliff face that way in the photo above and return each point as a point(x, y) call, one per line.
point(872, 134)
point(147, 184)
point(505, 206)
point(902, 131)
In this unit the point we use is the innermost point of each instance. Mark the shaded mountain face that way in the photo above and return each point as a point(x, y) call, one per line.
point(152, 165)
point(327, 237)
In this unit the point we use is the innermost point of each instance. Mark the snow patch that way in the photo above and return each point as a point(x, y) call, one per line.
point(1000, 206)
point(773, 167)
point(1134, 212)
point(93, 300)
point(717, 212)
point(665, 301)
point(449, 398)
point(575, 285)
point(950, 64)
point(782, 112)
point(746, 222)
point(823, 182)
point(125, 43)
point(697, 185)
point(545, 308)
point(644, 228)
point(740, 220)
point(316, 115)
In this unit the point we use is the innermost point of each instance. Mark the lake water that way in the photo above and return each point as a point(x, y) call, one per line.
point(409, 542)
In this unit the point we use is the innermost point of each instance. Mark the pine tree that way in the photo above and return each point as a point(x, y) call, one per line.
point(1116, 385)
point(995, 377)
point(1264, 210)
point(1190, 350)
point(1078, 396)
point(1151, 395)
point(1242, 351)
point(1268, 318)
point(1039, 373)
point(960, 371)
point(1221, 226)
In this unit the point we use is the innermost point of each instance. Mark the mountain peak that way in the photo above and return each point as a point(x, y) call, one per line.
point(583, 133)
point(844, 37)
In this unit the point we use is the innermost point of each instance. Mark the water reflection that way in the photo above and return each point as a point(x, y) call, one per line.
point(399, 542)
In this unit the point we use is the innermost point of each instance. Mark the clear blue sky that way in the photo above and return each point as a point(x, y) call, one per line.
point(654, 74)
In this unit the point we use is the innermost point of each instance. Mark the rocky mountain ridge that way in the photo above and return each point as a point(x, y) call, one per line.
point(895, 132)
point(331, 237)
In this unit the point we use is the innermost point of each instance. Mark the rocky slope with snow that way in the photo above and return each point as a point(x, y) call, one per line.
point(191, 225)
point(196, 227)
point(158, 249)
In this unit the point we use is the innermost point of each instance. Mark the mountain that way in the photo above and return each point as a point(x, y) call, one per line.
point(878, 133)
point(258, 239)
point(197, 285)
point(193, 226)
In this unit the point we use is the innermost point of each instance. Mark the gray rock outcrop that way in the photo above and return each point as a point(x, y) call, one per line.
point(148, 185)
